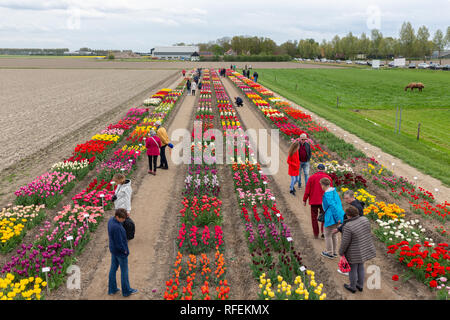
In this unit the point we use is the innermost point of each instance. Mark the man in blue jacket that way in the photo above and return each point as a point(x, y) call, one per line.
point(118, 246)
point(334, 215)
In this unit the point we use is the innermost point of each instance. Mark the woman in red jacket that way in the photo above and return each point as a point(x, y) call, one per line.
point(153, 145)
point(294, 165)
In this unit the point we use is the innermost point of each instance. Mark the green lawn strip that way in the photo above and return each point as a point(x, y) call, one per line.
point(432, 162)
point(431, 130)
point(364, 89)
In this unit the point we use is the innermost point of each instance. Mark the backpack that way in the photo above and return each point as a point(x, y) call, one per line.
point(129, 227)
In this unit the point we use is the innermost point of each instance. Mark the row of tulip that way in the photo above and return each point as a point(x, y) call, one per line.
point(403, 238)
point(200, 237)
point(274, 257)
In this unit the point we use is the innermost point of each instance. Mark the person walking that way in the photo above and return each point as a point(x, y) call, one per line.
point(314, 192)
point(304, 152)
point(164, 138)
point(153, 145)
point(188, 86)
point(118, 246)
point(255, 76)
point(334, 215)
point(357, 247)
point(193, 88)
point(294, 165)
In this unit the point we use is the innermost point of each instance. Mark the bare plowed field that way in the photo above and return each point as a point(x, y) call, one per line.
point(39, 106)
point(88, 63)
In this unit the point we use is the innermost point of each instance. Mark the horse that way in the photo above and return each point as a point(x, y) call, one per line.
point(413, 85)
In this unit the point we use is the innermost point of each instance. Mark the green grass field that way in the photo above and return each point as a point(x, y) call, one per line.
point(367, 96)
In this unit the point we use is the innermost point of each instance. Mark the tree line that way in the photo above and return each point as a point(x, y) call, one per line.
point(409, 44)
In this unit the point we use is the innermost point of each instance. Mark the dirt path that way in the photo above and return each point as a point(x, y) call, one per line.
point(298, 218)
point(399, 168)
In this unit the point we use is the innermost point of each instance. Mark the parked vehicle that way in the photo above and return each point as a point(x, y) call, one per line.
point(391, 64)
point(446, 67)
point(423, 65)
point(435, 66)
point(412, 65)
point(338, 61)
point(348, 61)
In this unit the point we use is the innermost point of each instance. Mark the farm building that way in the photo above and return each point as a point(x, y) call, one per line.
point(175, 52)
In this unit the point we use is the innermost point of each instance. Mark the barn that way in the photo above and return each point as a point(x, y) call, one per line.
point(175, 52)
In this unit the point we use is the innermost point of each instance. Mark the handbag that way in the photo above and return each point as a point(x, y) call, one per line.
point(321, 217)
point(344, 266)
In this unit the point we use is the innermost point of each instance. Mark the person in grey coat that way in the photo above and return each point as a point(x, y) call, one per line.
point(357, 247)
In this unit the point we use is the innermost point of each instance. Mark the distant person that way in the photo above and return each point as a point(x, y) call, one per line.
point(193, 88)
point(357, 247)
point(334, 215)
point(118, 246)
point(255, 76)
point(294, 165)
point(183, 72)
point(188, 86)
point(239, 102)
point(153, 145)
point(200, 85)
point(305, 157)
point(250, 67)
point(314, 192)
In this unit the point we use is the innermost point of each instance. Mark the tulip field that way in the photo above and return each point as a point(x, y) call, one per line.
point(234, 232)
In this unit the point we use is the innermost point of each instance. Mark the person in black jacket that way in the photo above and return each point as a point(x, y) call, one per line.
point(118, 246)
point(239, 102)
point(349, 197)
point(304, 153)
point(188, 86)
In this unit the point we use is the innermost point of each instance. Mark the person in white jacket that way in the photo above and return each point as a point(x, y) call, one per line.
point(193, 88)
point(122, 195)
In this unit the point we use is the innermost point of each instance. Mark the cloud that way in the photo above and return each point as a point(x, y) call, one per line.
point(140, 25)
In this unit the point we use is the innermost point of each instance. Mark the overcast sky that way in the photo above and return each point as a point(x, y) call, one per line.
point(142, 25)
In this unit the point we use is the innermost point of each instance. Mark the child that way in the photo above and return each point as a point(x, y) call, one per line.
point(294, 165)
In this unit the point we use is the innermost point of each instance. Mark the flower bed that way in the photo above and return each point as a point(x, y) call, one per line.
point(200, 235)
point(47, 189)
point(15, 222)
